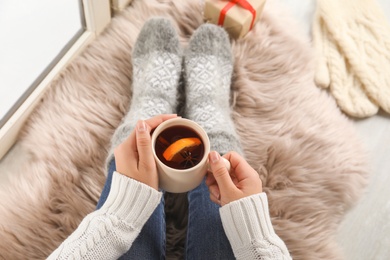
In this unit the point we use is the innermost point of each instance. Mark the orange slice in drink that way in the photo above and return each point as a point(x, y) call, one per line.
point(175, 151)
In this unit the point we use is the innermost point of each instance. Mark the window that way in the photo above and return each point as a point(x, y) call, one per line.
point(39, 38)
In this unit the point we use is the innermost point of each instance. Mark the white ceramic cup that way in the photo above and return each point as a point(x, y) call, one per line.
point(182, 180)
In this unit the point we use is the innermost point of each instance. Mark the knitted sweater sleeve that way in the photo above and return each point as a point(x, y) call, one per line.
point(248, 226)
point(109, 232)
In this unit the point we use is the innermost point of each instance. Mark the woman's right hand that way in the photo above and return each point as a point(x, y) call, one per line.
point(240, 182)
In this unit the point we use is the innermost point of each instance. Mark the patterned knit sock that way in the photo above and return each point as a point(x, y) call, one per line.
point(208, 71)
point(156, 71)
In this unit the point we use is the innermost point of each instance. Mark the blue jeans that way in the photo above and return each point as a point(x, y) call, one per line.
point(206, 238)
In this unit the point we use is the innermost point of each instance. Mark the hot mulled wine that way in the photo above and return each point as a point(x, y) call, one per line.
point(179, 147)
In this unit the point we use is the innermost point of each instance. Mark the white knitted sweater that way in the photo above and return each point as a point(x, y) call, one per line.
point(110, 231)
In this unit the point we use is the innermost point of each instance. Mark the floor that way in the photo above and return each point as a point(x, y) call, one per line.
point(364, 233)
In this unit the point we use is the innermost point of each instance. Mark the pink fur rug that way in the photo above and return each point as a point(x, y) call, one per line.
point(307, 153)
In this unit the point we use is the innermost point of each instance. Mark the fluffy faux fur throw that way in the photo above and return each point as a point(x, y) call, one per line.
point(307, 153)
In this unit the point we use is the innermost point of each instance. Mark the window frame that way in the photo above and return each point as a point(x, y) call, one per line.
point(97, 15)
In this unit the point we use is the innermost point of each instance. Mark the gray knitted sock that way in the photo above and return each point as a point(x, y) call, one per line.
point(156, 71)
point(208, 71)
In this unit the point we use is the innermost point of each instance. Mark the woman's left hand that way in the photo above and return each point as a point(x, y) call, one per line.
point(134, 157)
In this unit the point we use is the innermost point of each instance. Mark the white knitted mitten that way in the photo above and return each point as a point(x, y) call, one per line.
point(352, 39)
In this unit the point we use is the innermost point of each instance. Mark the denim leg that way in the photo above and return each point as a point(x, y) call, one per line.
point(150, 243)
point(206, 238)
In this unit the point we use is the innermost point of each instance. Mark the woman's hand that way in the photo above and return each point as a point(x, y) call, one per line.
point(134, 157)
point(225, 187)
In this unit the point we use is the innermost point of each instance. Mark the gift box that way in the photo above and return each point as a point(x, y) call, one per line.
point(236, 16)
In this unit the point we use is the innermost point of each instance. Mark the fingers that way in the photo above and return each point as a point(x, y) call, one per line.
point(220, 172)
point(210, 180)
point(125, 153)
point(245, 177)
point(240, 166)
point(152, 123)
point(143, 140)
point(155, 121)
point(216, 200)
point(134, 156)
point(225, 186)
point(212, 185)
point(144, 147)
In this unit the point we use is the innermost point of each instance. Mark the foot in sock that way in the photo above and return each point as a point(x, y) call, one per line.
point(156, 71)
point(208, 71)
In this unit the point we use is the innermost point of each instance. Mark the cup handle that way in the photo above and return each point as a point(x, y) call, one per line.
point(225, 161)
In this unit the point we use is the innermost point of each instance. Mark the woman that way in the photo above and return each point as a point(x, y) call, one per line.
point(228, 212)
